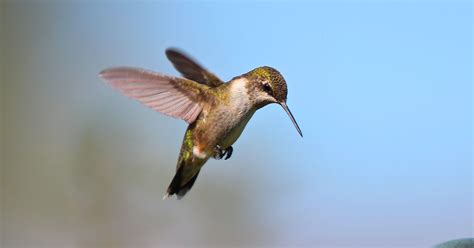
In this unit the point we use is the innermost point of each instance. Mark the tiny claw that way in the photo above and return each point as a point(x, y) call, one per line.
point(218, 152)
point(166, 196)
point(228, 152)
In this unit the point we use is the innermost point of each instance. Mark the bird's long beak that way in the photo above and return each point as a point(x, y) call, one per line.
point(285, 107)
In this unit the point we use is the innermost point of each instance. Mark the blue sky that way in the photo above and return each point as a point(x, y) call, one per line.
point(381, 91)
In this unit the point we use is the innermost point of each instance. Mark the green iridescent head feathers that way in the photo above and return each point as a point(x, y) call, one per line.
point(274, 78)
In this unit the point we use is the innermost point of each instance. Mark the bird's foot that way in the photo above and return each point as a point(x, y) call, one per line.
point(228, 152)
point(219, 152)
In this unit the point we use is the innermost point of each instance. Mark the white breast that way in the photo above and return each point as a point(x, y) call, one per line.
point(239, 98)
point(241, 110)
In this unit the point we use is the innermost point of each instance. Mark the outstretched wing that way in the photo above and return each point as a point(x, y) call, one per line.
point(176, 97)
point(191, 69)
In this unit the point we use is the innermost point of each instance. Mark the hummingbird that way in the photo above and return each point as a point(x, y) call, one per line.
point(216, 111)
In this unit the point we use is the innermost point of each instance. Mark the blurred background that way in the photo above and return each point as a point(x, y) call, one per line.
point(382, 92)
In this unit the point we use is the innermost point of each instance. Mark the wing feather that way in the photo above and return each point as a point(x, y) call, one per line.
point(190, 69)
point(176, 97)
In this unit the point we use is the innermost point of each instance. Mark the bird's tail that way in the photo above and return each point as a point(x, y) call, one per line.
point(181, 183)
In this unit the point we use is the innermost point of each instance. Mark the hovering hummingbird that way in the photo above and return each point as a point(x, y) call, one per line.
point(217, 112)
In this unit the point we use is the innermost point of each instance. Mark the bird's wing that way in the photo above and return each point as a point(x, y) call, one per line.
point(190, 69)
point(176, 97)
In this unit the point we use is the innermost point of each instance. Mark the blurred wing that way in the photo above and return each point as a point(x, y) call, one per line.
point(191, 69)
point(176, 97)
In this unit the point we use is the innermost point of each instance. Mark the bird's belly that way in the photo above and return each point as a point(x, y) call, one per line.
point(234, 132)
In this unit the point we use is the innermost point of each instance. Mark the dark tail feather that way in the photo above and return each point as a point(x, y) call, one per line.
point(177, 187)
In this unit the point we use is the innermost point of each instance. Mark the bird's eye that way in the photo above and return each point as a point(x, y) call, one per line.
point(267, 88)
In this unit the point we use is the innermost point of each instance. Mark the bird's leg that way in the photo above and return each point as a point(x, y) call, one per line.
point(219, 152)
